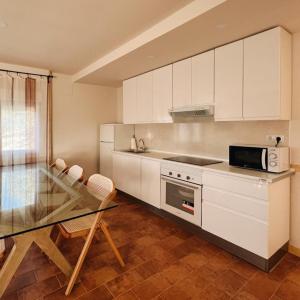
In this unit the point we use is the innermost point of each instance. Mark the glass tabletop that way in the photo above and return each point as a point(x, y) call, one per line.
point(33, 196)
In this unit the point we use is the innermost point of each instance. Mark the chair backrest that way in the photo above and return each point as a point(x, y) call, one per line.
point(74, 174)
point(101, 182)
point(60, 164)
point(104, 187)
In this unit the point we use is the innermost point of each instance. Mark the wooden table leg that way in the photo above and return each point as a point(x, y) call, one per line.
point(22, 243)
point(21, 246)
point(44, 241)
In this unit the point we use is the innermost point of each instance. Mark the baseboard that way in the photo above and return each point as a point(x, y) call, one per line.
point(294, 250)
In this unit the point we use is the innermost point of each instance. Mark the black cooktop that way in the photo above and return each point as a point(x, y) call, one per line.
point(193, 160)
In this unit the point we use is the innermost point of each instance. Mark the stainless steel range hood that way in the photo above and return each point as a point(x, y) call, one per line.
point(196, 111)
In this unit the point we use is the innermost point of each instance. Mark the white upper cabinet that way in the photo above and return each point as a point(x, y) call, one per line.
point(246, 80)
point(229, 82)
point(144, 98)
point(182, 83)
point(203, 78)
point(129, 101)
point(162, 94)
point(267, 75)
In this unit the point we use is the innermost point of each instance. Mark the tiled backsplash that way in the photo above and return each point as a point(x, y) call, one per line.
point(208, 138)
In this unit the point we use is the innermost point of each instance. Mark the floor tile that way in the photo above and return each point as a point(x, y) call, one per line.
point(261, 286)
point(96, 278)
point(39, 289)
point(127, 296)
point(124, 282)
point(294, 275)
point(78, 290)
point(243, 268)
point(229, 281)
point(176, 272)
point(151, 287)
point(288, 291)
point(100, 293)
point(20, 282)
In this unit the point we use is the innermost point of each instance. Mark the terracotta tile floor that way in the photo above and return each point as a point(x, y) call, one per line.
point(162, 261)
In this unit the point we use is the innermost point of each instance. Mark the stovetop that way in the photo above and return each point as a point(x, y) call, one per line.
point(193, 160)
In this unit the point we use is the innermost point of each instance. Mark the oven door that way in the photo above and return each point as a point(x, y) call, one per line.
point(248, 157)
point(182, 199)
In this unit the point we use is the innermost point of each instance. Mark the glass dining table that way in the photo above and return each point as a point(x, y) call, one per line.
point(33, 198)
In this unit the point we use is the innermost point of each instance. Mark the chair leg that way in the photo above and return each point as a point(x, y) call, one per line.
point(82, 256)
point(107, 235)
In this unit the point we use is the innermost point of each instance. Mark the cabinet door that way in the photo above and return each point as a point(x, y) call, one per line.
point(162, 94)
point(182, 83)
point(203, 78)
point(229, 82)
point(144, 98)
point(129, 101)
point(262, 75)
point(150, 182)
point(236, 228)
point(127, 173)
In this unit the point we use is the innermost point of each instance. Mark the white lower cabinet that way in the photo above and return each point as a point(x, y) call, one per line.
point(249, 213)
point(150, 182)
point(127, 173)
point(138, 177)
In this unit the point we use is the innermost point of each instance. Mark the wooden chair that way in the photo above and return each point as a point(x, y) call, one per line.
point(73, 175)
point(59, 166)
point(70, 177)
point(2, 248)
point(87, 226)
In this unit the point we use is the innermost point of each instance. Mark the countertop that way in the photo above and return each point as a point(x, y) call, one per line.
point(223, 167)
point(250, 174)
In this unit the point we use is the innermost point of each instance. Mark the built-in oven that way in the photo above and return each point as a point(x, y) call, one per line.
point(181, 193)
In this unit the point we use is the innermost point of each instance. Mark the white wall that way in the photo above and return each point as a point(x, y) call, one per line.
point(295, 143)
point(78, 109)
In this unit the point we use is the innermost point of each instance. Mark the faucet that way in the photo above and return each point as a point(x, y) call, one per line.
point(141, 148)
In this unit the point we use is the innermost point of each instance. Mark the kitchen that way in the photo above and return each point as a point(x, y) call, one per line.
point(160, 159)
point(222, 197)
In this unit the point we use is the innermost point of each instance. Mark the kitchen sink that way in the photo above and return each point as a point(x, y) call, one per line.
point(137, 151)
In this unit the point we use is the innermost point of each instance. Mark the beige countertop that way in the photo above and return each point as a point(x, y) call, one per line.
point(223, 167)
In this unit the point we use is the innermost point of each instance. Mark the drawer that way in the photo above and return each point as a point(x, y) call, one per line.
point(250, 188)
point(238, 203)
point(242, 231)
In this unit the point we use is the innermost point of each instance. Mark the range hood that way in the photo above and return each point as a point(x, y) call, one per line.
point(192, 111)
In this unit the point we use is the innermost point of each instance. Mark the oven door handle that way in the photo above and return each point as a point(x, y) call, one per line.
point(179, 183)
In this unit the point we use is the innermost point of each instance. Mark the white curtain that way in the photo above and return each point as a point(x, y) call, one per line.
point(23, 119)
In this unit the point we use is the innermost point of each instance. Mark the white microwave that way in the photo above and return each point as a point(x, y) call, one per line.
point(262, 158)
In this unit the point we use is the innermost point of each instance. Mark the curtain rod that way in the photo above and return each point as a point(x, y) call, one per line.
point(35, 74)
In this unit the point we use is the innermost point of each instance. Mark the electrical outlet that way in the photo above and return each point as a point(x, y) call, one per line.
point(272, 138)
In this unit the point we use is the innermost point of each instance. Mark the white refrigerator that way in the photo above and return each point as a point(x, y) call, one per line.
point(113, 137)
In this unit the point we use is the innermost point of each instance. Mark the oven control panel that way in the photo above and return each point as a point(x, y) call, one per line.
point(184, 174)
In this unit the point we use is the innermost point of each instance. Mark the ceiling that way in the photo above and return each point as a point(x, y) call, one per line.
point(65, 36)
point(69, 36)
point(226, 22)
